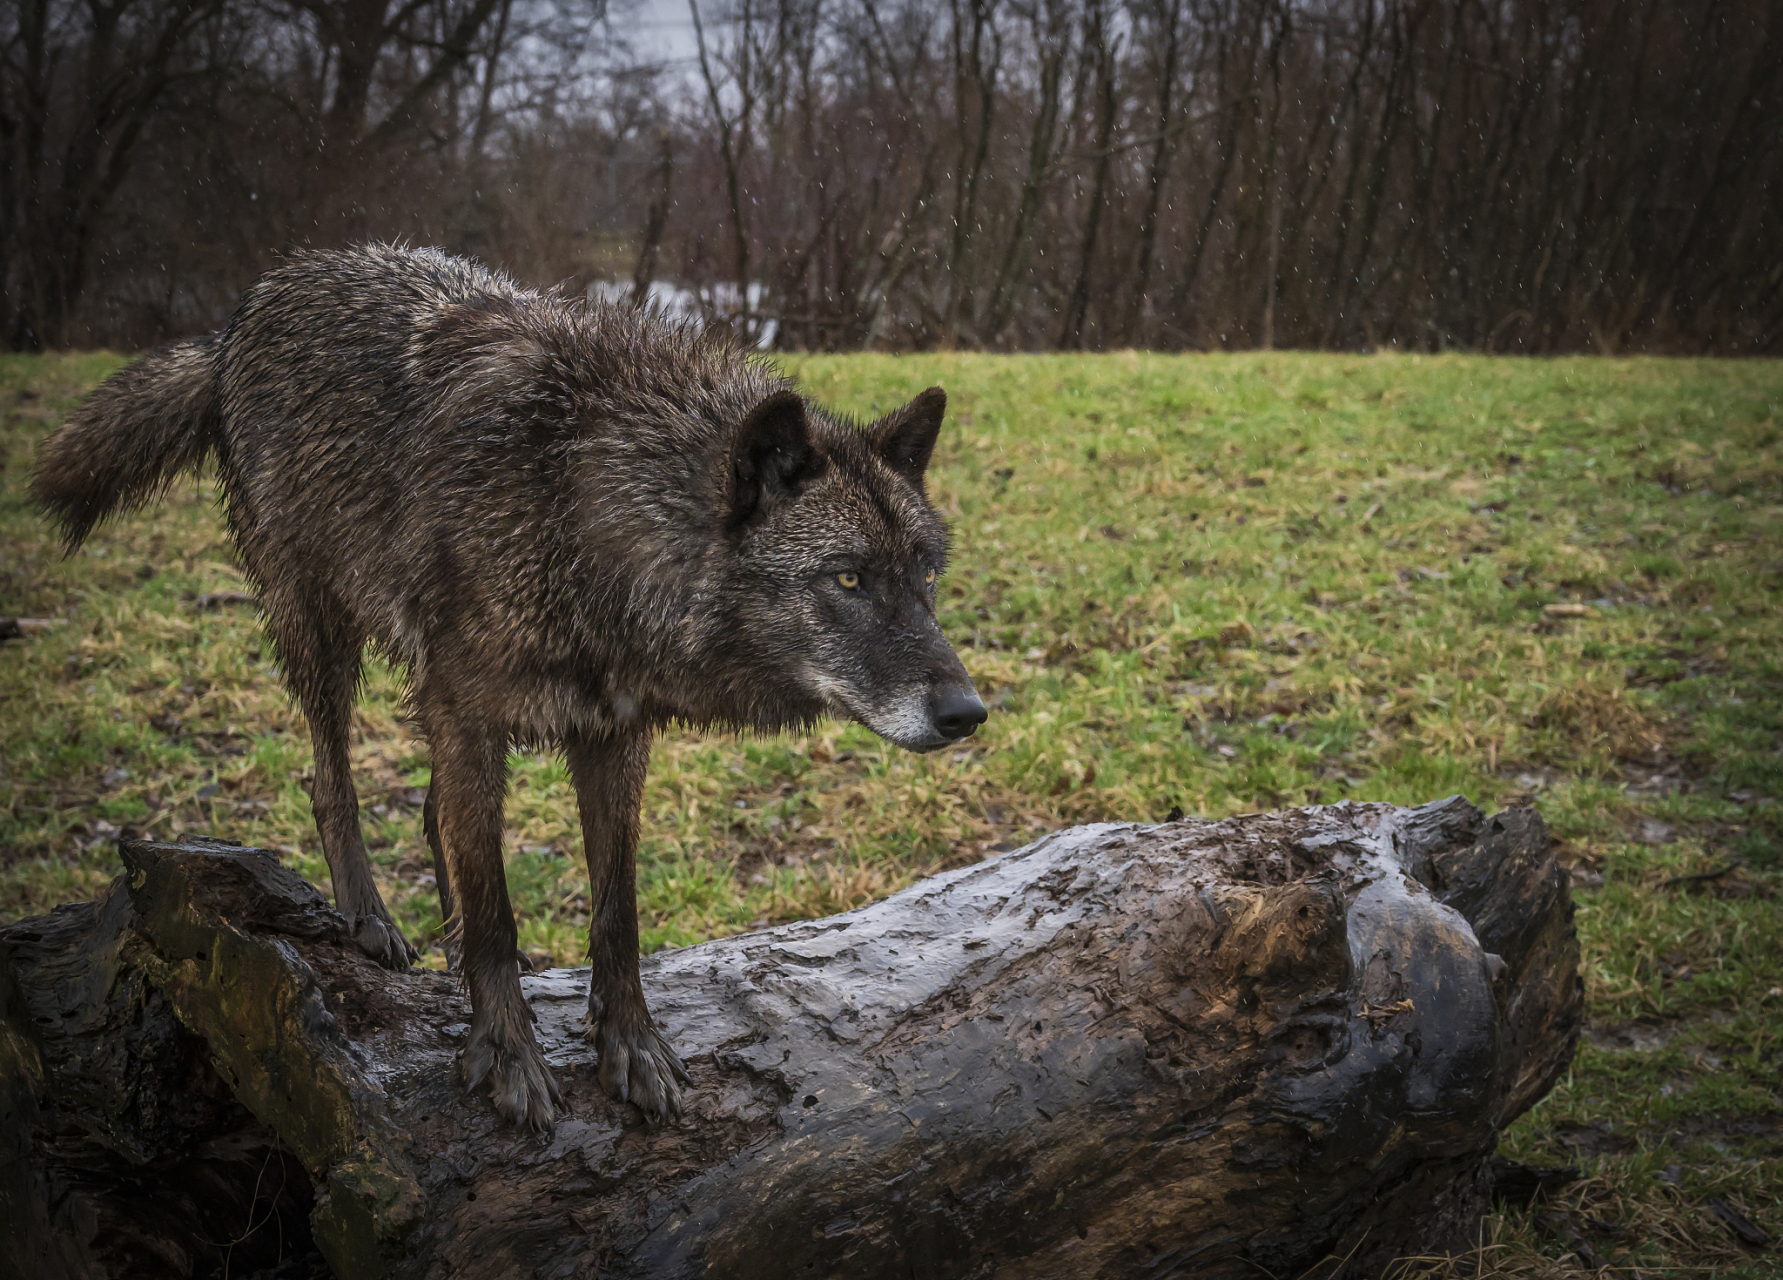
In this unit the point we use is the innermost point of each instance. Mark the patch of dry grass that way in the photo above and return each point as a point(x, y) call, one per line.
point(1624, 1220)
point(1597, 716)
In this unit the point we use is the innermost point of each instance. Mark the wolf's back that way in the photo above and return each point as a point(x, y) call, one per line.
point(131, 439)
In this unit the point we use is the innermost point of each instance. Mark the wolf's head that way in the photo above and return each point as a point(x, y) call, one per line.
point(844, 556)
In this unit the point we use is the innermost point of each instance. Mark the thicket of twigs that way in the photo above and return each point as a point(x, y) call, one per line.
point(1521, 175)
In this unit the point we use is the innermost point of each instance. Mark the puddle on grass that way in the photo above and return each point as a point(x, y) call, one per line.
point(1647, 1035)
point(1730, 1136)
point(1641, 1038)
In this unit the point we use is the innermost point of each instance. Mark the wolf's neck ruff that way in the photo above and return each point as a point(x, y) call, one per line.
point(574, 525)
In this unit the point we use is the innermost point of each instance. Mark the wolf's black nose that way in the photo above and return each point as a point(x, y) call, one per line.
point(957, 711)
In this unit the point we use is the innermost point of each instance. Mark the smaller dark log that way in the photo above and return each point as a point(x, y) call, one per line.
point(1521, 1185)
point(1281, 1042)
point(1743, 1228)
point(19, 628)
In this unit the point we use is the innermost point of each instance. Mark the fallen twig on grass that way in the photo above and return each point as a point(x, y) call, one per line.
point(211, 599)
point(19, 628)
point(1521, 1185)
point(1749, 1233)
point(1700, 877)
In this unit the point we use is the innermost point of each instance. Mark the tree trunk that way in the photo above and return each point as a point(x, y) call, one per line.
point(1220, 1049)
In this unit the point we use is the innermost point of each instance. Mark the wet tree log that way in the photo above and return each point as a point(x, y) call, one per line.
point(1285, 1041)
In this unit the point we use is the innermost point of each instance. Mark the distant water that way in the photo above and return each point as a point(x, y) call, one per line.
point(722, 301)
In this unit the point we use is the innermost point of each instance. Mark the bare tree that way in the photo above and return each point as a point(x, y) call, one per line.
point(650, 246)
point(83, 81)
point(1049, 27)
point(1162, 20)
point(976, 45)
point(734, 124)
point(1101, 52)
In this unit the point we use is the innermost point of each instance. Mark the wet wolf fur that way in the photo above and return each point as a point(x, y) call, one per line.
point(573, 525)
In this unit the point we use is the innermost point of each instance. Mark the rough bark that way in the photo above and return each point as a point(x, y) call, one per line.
point(1283, 1041)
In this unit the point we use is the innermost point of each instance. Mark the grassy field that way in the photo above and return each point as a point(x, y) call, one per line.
point(1218, 583)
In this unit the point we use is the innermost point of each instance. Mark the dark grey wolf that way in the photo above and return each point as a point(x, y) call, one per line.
point(573, 525)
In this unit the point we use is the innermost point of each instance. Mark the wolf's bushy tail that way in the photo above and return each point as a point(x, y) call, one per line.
point(131, 439)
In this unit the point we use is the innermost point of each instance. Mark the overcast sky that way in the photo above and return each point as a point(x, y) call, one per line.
point(661, 30)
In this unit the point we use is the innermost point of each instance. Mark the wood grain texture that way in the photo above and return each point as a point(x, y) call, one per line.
point(1285, 1040)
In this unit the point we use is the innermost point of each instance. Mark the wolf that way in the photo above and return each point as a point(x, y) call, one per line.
point(573, 525)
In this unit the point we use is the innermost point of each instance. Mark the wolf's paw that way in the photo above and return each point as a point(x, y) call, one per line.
point(380, 939)
point(637, 1063)
point(520, 1084)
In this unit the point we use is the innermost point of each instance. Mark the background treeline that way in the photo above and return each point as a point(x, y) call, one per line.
point(1506, 175)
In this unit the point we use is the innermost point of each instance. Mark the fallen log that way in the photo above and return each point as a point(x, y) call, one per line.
point(1280, 1043)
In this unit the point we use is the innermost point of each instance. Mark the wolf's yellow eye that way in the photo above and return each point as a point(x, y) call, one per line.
point(848, 581)
point(930, 580)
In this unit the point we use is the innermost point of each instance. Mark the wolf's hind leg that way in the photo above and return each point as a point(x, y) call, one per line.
point(637, 1063)
point(470, 780)
point(321, 657)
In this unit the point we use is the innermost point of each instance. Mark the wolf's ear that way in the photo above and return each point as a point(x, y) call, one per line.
point(771, 456)
point(905, 438)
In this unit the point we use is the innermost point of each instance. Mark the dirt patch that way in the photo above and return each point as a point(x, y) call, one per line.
point(1596, 1138)
point(1747, 1137)
point(1640, 1036)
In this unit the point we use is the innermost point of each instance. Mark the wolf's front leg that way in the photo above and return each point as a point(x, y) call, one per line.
point(470, 779)
point(637, 1064)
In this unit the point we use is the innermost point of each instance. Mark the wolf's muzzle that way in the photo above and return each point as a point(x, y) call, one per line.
point(956, 711)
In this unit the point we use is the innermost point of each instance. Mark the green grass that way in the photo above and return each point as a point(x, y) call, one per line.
point(1218, 583)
